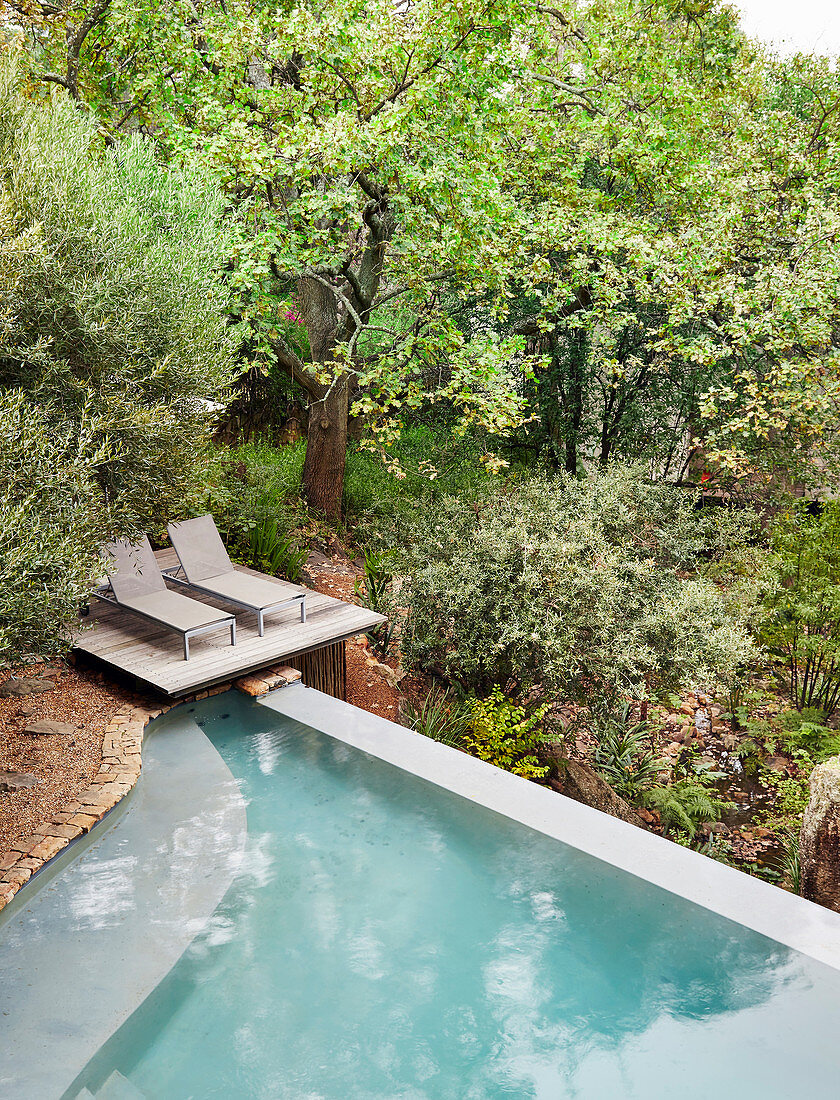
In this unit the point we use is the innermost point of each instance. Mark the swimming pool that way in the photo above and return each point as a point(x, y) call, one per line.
point(383, 937)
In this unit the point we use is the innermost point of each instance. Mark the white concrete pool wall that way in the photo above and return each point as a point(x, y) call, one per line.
point(784, 917)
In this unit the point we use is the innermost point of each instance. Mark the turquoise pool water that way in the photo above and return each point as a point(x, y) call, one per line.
point(384, 938)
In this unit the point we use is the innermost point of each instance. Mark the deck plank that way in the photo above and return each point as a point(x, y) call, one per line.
point(153, 655)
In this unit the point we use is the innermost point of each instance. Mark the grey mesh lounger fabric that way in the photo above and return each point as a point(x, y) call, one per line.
point(208, 569)
point(137, 584)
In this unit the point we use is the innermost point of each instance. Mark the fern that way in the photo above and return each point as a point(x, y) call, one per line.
point(684, 805)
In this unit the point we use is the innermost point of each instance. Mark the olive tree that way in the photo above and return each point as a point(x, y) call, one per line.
point(113, 347)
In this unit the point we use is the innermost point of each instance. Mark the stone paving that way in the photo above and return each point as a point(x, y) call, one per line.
point(118, 772)
point(267, 679)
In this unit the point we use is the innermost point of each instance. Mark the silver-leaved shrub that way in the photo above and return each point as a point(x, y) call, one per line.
point(578, 588)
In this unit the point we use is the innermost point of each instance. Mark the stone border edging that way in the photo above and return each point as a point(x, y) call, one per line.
point(119, 770)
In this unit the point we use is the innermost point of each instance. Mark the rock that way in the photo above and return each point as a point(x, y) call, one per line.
point(16, 781)
point(701, 722)
point(819, 840)
point(47, 726)
point(776, 763)
point(389, 675)
point(729, 741)
point(720, 828)
point(26, 685)
point(582, 783)
point(28, 710)
point(688, 709)
point(683, 735)
point(706, 762)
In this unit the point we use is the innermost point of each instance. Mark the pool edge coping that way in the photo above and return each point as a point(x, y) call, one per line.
point(786, 918)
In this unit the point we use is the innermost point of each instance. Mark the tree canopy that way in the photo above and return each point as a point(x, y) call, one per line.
point(628, 205)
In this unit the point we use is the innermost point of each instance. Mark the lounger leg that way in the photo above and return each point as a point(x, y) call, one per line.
point(303, 610)
point(186, 647)
point(261, 623)
point(233, 632)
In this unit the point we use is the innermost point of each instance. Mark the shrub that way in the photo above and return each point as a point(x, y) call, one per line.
point(623, 756)
point(112, 349)
point(52, 524)
point(801, 625)
point(585, 589)
point(110, 300)
point(506, 735)
point(439, 717)
point(272, 552)
point(374, 591)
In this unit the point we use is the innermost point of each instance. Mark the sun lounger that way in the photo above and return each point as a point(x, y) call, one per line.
point(205, 567)
point(136, 584)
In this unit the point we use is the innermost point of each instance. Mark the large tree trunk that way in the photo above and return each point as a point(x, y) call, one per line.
point(326, 450)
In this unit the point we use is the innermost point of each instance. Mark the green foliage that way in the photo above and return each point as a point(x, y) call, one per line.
point(423, 464)
point(791, 866)
point(684, 805)
point(790, 798)
point(110, 300)
point(623, 755)
point(806, 733)
point(52, 525)
point(801, 625)
point(374, 592)
point(273, 552)
point(606, 168)
point(256, 482)
point(507, 735)
point(581, 588)
point(112, 347)
point(440, 717)
point(716, 847)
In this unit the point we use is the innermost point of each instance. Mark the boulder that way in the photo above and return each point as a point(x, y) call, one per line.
point(391, 676)
point(26, 685)
point(582, 783)
point(16, 781)
point(776, 763)
point(819, 841)
point(48, 726)
point(706, 761)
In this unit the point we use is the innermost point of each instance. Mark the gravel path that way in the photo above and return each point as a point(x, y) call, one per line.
point(63, 764)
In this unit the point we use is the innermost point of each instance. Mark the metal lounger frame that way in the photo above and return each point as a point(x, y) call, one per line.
point(172, 575)
point(104, 593)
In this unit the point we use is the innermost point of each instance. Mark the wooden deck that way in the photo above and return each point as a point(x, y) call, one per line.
point(154, 656)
